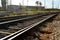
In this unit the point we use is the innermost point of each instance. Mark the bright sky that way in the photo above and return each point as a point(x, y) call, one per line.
point(32, 3)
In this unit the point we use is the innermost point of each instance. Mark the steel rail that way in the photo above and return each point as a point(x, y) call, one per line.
point(12, 36)
point(18, 19)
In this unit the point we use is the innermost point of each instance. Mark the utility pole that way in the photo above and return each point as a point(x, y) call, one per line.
point(52, 4)
point(27, 7)
point(10, 2)
point(58, 5)
point(23, 7)
point(27, 2)
point(10, 5)
point(44, 3)
point(22, 2)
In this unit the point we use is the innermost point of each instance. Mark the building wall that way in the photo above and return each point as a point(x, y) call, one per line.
point(16, 8)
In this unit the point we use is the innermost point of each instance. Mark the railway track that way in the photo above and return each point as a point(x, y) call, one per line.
point(2, 19)
point(12, 29)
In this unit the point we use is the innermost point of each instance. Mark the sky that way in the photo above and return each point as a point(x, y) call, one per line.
point(48, 3)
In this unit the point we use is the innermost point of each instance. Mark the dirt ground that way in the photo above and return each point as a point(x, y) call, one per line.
point(51, 30)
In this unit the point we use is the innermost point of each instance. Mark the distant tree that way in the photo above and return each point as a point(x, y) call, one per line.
point(37, 2)
point(40, 3)
point(3, 2)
